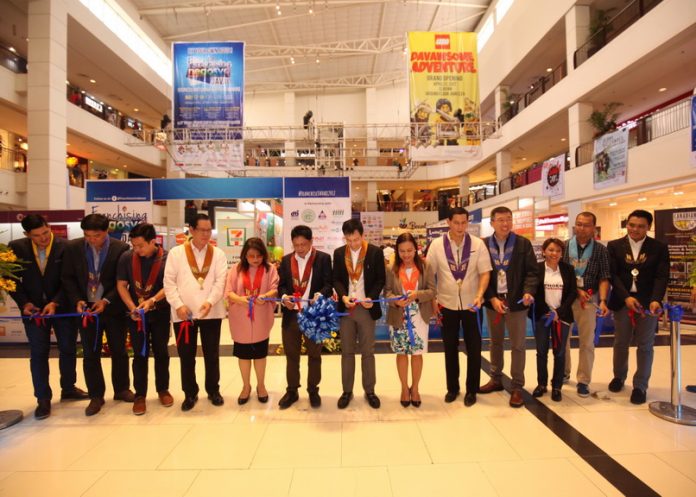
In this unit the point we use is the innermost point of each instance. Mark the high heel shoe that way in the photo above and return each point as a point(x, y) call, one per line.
point(243, 400)
point(262, 399)
point(414, 403)
point(407, 402)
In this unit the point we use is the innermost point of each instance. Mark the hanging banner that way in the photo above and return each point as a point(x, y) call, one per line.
point(610, 159)
point(444, 96)
point(692, 156)
point(552, 176)
point(125, 202)
point(677, 228)
point(323, 204)
point(208, 103)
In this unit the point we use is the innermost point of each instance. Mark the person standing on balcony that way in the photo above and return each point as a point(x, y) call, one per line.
point(590, 261)
point(509, 294)
point(462, 266)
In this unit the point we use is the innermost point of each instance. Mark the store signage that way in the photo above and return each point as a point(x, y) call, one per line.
point(552, 220)
point(90, 102)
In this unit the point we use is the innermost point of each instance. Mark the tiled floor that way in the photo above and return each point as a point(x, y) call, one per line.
point(258, 450)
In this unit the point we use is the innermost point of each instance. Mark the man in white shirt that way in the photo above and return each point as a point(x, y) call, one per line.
point(640, 272)
point(462, 265)
point(194, 283)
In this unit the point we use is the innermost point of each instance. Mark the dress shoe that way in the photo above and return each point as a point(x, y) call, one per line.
point(583, 391)
point(491, 386)
point(616, 385)
point(288, 399)
point(414, 403)
point(638, 396)
point(451, 396)
point(94, 406)
point(125, 396)
point(344, 400)
point(43, 409)
point(539, 391)
point(516, 399)
point(373, 400)
point(139, 406)
point(74, 393)
point(216, 399)
point(262, 398)
point(469, 399)
point(166, 398)
point(188, 403)
point(407, 402)
point(556, 394)
point(566, 378)
point(314, 399)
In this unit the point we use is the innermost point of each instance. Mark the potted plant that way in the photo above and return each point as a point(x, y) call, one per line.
point(599, 28)
point(604, 121)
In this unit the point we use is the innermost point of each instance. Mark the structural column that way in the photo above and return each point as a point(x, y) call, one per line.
point(577, 24)
point(464, 186)
point(290, 148)
point(47, 176)
point(579, 129)
point(501, 95)
point(371, 106)
point(503, 165)
point(371, 196)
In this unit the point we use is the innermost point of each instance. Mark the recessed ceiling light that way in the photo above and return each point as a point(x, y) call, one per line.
point(116, 170)
point(12, 49)
point(524, 158)
point(136, 110)
point(549, 69)
point(317, 60)
point(92, 80)
point(613, 204)
point(679, 193)
point(311, 11)
point(125, 166)
point(642, 199)
point(279, 12)
point(563, 139)
point(662, 89)
point(67, 144)
point(19, 139)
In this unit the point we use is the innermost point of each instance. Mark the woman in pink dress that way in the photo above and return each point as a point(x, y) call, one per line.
point(249, 283)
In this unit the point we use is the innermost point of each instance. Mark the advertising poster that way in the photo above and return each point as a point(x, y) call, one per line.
point(444, 96)
point(523, 223)
point(692, 155)
point(552, 174)
point(610, 159)
point(373, 223)
point(208, 103)
point(323, 204)
point(677, 228)
point(125, 202)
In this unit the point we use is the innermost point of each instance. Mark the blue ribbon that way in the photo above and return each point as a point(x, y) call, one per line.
point(549, 318)
point(521, 301)
point(409, 323)
point(141, 313)
point(675, 312)
point(479, 317)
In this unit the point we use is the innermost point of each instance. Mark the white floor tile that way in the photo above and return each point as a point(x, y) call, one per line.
point(662, 478)
point(249, 483)
point(294, 445)
point(383, 444)
point(142, 484)
point(441, 479)
point(55, 483)
point(341, 482)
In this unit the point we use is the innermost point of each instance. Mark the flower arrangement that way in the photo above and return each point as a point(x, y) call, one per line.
point(319, 323)
point(9, 267)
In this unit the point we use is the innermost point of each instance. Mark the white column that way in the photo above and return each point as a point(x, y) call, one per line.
point(371, 196)
point(464, 186)
point(577, 24)
point(47, 176)
point(501, 95)
point(175, 208)
point(371, 106)
point(574, 208)
point(503, 165)
point(290, 148)
point(579, 129)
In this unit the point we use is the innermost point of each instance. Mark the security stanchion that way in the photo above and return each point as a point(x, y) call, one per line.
point(9, 418)
point(674, 411)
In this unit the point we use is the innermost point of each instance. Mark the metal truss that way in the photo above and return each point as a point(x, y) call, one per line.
point(370, 46)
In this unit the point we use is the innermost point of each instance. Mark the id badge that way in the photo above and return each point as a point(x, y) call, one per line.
point(580, 281)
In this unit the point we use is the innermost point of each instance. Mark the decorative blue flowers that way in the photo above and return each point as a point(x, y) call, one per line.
point(319, 321)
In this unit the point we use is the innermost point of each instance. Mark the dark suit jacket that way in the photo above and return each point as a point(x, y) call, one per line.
point(320, 282)
point(568, 296)
point(75, 275)
point(37, 288)
point(522, 275)
point(373, 272)
point(654, 272)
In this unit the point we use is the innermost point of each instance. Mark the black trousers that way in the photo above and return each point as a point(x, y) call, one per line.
point(155, 338)
point(91, 337)
point(210, 342)
point(451, 321)
point(292, 344)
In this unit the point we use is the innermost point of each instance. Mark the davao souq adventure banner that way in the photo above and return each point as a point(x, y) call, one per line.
point(444, 96)
point(208, 104)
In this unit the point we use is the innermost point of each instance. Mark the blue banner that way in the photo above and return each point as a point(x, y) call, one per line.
point(317, 187)
point(215, 188)
point(208, 85)
point(118, 191)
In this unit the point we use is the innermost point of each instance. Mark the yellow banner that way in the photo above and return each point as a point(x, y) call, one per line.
point(444, 94)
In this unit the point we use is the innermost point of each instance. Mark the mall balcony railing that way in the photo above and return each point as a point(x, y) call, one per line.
point(627, 16)
point(395, 206)
point(543, 84)
point(12, 61)
point(646, 128)
point(527, 176)
point(13, 160)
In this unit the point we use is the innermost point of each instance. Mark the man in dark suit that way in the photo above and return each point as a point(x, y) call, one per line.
point(39, 291)
point(510, 291)
point(304, 274)
point(89, 279)
point(358, 278)
point(640, 271)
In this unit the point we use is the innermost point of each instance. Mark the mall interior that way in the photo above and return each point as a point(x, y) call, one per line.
point(86, 96)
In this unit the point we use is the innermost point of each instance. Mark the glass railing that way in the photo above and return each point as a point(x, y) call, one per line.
point(13, 160)
point(613, 28)
point(645, 129)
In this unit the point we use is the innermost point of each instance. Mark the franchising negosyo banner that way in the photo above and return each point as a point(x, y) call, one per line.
point(444, 95)
point(610, 159)
point(126, 203)
point(323, 204)
point(208, 101)
point(552, 177)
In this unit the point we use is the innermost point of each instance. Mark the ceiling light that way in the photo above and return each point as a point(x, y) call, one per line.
point(563, 139)
point(662, 89)
point(19, 140)
point(549, 69)
point(279, 12)
point(524, 158)
point(642, 199)
point(12, 49)
point(125, 166)
point(317, 61)
point(311, 11)
point(115, 170)
point(679, 193)
point(92, 81)
point(67, 82)
point(613, 204)
point(136, 110)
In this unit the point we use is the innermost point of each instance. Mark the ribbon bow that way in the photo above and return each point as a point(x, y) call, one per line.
point(675, 312)
point(39, 320)
point(184, 329)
